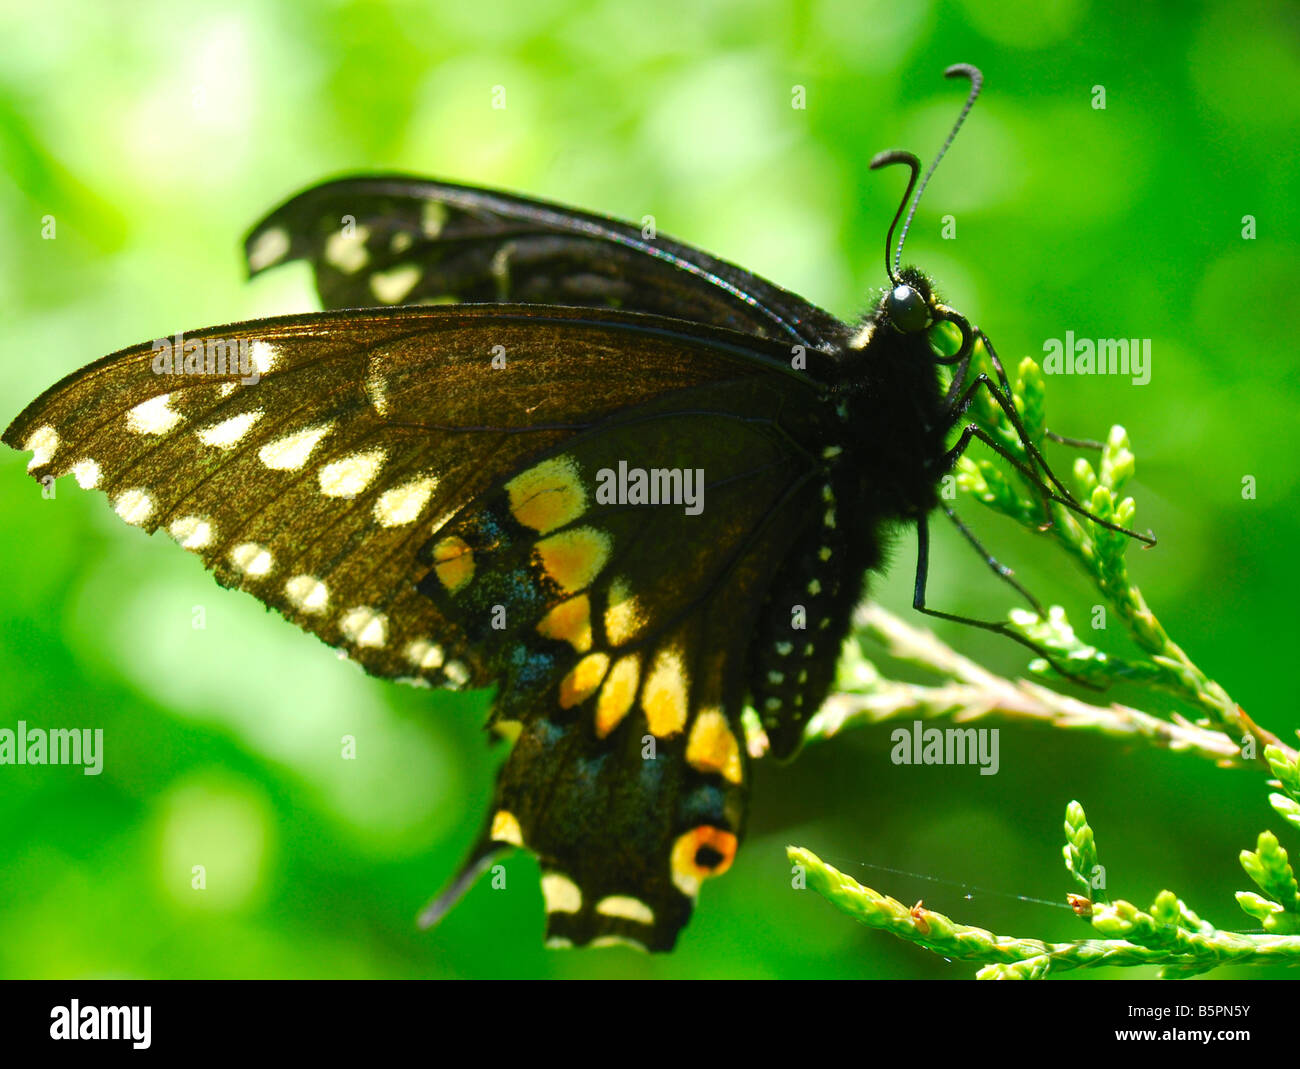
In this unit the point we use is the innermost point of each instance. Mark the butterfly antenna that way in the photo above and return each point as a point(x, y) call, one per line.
point(884, 159)
point(957, 70)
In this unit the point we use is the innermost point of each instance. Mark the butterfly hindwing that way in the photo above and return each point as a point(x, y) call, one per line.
point(393, 239)
point(629, 779)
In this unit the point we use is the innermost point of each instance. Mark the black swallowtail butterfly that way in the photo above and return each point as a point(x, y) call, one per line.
point(470, 495)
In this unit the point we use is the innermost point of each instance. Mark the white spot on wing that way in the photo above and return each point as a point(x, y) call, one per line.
point(377, 391)
point(252, 559)
point(561, 893)
point(227, 434)
point(154, 416)
point(307, 593)
point(392, 286)
point(349, 476)
point(269, 248)
point(457, 673)
point(348, 252)
point(403, 504)
point(291, 452)
point(42, 443)
point(86, 472)
point(134, 506)
point(264, 356)
point(433, 218)
point(424, 654)
point(364, 627)
point(192, 532)
point(627, 907)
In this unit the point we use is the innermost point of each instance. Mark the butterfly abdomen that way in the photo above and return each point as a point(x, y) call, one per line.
point(806, 615)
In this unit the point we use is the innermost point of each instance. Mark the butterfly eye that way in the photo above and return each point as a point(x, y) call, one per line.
point(907, 310)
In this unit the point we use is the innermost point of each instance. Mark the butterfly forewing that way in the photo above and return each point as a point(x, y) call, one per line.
point(398, 240)
point(389, 483)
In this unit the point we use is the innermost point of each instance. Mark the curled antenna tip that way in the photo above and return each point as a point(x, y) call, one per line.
point(883, 159)
point(962, 70)
point(965, 70)
point(894, 155)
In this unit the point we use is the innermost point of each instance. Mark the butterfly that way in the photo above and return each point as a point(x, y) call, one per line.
point(634, 487)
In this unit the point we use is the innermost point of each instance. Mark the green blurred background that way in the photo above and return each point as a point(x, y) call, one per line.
point(156, 133)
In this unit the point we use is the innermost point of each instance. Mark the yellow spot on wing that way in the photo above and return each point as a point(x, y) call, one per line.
point(505, 828)
point(617, 695)
point(561, 893)
point(574, 558)
point(453, 560)
point(548, 495)
point(698, 854)
point(583, 679)
point(664, 696)
point(623, 618)
point(713, 746)
point(569, 621)
point(627, 907)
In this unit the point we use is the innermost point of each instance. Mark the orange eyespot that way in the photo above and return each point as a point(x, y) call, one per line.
point(700, 853)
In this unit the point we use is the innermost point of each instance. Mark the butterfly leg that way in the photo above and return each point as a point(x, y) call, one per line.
point(974, 431)
point(1003, 397)
point(997, 567)
point(918, 603)
point(1075, 443)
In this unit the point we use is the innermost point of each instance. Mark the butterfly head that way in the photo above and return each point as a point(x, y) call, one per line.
point(911, 308)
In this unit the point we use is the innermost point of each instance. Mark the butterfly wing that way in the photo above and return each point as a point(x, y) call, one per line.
point(394, 239)
point(387, 488)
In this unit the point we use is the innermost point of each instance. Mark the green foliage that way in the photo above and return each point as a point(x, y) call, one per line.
point(1168, 933)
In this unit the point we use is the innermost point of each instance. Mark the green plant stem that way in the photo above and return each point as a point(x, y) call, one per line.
point(1008, 957)
point(973, 693)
